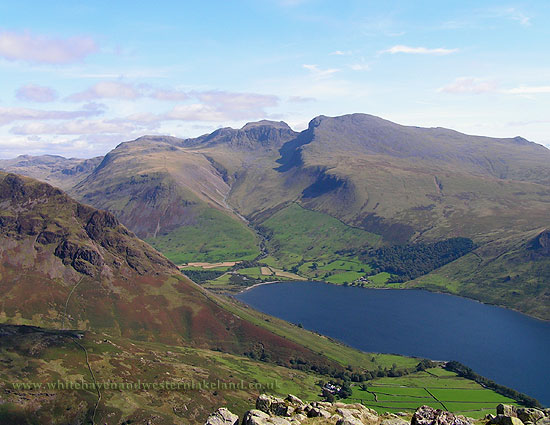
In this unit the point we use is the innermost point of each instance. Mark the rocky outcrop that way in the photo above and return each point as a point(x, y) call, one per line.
point(512, 415)
point(427, 415)
point(540, 246)
point(271, 410)
point(222, 416)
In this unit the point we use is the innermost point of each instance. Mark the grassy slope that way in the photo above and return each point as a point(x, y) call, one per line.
point(296, 236)
point(172, 197)
point(115, 359)
point(213, 237)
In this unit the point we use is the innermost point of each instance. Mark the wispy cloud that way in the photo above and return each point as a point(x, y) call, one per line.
point(75, 127)
point(32, 48)
point(526, 90)
point(36, 93)
point(222, 106)
point(359, 67)
point(340, 53)
point(419, 50)
point(169, 95)
point(301, 99)
point(107, 90)
point(8, 115)
point(515, 15)
point(471, 85)
point(319, 73)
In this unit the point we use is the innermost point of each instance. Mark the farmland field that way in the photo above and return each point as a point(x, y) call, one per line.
point(435, 387)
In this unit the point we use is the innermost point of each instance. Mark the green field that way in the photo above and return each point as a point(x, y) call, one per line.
point(215, 237)
point(436, 387)
point(344, 277)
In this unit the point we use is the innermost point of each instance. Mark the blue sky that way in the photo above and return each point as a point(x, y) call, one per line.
point(77, 78)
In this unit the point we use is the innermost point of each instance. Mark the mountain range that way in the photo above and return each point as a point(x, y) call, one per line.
point(359, 182)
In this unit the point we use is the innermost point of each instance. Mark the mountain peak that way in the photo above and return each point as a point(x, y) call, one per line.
point(262, 134)
point(281, 125)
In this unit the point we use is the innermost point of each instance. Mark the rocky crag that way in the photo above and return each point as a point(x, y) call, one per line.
point(270, 410)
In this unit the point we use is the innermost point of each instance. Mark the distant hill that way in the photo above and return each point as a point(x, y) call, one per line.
point(56, 170)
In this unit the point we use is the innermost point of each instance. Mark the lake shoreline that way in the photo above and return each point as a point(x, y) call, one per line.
point(417, 323)
point(400, 289)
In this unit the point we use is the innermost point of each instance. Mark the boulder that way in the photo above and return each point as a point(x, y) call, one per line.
point(427, 415)
point(257, 417)
point(295, 401)
point(506, 410)
point(318, 412)
point(222, 416)
point(359, 412)
point(506, 420)
point(273, 405)
point(528, 414)
point(349, 421)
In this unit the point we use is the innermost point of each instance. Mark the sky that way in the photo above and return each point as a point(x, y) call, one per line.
point(77, 78)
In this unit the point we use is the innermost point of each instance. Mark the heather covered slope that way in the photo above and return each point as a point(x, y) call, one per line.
point(64, 264)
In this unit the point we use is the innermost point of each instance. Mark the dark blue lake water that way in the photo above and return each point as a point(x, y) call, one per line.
point(510, 348)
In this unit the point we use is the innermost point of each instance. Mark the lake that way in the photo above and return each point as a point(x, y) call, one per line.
point(508, 347)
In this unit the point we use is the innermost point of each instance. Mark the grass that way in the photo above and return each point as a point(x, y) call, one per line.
point(122, 360)
point(300, 235)
point(346, 265)
point(344, 277)
point(214, 237)
point(436, 387)
point(380, 278)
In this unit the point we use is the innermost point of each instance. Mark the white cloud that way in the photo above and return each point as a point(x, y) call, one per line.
point(419, 50)
point(340, 53)
point(360, 67)
point(300, 99)
point(319, 73)
point(169, 95)
point(107, 90)
point(38, 49)
point(35, 93)
point(529, 90)
point(76, 127)
point(516, 15)
point(8, 115)
point(194, 112)
point(471, 85)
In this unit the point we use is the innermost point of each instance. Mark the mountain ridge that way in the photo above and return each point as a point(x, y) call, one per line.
point(405, 184)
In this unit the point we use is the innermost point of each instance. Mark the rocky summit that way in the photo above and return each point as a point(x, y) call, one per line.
point(271, 410)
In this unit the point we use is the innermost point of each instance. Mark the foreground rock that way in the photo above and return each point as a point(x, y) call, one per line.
point(512, 415)
point(222, 416)
point(271, 410)
point(427, 415)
